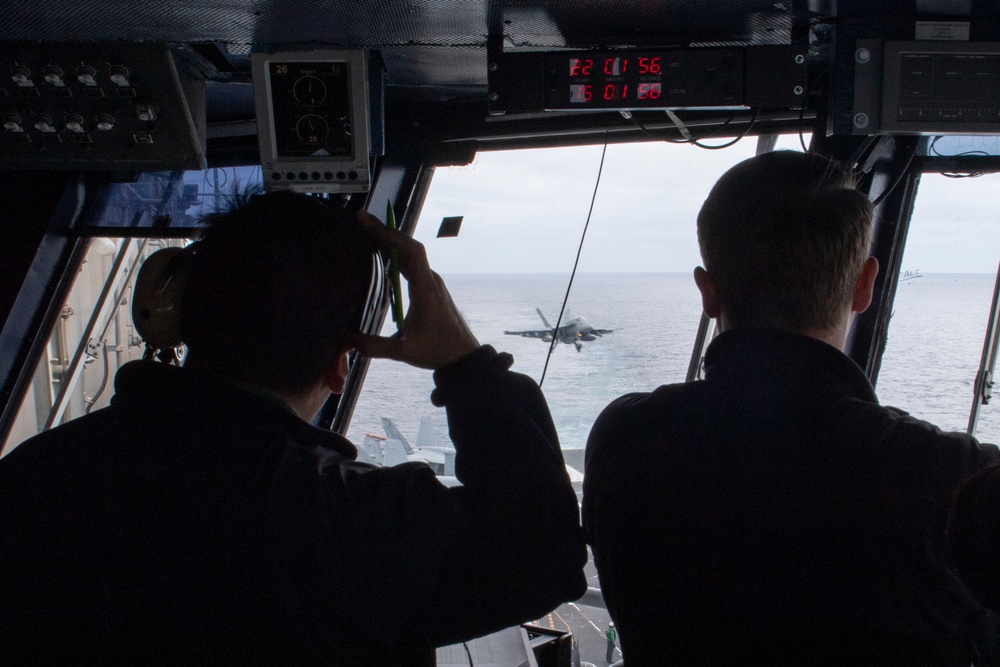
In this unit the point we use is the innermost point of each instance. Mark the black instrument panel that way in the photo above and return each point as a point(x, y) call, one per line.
point(650, 79)
point(99, 107)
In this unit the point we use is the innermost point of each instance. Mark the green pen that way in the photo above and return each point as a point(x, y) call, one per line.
point(397, 289)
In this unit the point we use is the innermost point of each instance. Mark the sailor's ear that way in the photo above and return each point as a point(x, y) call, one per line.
point(336, 373)
point(864, 288)
point(710, 301)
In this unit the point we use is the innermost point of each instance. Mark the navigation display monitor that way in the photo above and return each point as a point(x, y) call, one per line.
point(312, 120)
point(312, 109)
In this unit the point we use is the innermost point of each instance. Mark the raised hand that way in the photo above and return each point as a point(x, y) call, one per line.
point(434, 333)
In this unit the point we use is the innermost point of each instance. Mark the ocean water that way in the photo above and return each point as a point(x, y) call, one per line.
point(935, 343)
point(934, 348)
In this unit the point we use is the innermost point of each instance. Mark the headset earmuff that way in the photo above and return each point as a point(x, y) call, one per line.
point(156, 300)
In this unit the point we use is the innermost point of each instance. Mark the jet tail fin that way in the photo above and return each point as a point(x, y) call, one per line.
point(371, 450)
point(392, 433)
point(544, 321)
point(394, 454)
point(425, 436)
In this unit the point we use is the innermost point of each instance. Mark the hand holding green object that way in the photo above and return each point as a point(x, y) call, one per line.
point(436, 335)
point(396, 296)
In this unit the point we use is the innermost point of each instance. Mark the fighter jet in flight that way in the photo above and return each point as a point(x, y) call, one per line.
point(576, 331)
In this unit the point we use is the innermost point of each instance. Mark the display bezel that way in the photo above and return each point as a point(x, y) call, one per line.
point(345, 171)
point(653, 79)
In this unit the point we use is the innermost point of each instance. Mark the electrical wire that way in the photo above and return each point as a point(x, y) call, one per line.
point(104, 382)
point(707, 135)
point(863, 148)
point(931, 149)
point(971, 174)
point(555, 331)
point(468, 653)
point(902, 172)
point(668, 140)
point(697, 140)
point(805, 105)
point(952, 174)
point(735, 140)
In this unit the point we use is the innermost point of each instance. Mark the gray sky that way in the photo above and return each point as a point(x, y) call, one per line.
point(525, 211)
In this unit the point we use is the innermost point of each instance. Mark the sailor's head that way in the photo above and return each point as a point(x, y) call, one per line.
point(277, 289)
point(785, 238)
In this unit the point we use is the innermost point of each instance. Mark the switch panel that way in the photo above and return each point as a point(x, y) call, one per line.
point(115, 107)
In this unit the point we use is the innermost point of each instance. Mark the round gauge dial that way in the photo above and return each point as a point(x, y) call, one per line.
point(312, 129)
point(309, 90)
point(312, 110)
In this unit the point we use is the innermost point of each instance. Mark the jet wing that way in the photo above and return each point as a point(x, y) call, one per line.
point(601, 332)
point(530, 334)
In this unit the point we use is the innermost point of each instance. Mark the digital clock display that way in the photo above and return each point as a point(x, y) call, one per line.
point(610, 80)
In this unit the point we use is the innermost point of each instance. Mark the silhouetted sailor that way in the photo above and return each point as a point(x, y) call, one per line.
point(200, 519)
point(774, 513)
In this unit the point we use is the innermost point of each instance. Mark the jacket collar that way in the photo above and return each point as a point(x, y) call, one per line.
point(157, 389)
point(782, 358)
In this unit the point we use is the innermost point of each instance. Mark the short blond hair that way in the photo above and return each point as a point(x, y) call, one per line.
point(785, 236)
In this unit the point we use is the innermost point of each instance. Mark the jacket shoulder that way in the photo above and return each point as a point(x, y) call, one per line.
point(628, 425)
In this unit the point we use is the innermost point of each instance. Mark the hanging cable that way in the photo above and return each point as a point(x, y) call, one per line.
point(555, 331)
point(888, 191)
point(735, 140)
point(668, 140)
point(931, 150)
point(104, 382)
point(863, 149)
point(805, 105)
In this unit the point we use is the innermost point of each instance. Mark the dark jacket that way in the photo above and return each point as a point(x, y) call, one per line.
point(774, 513)
point(193, 521)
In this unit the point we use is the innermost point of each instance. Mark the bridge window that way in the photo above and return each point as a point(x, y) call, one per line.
point(523, 216)
point(942, 304)
point(94, 335)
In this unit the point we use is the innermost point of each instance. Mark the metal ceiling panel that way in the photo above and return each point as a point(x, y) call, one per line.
point(258, 23)
point(645, 22)
point(424, 42)
point(434, 50)
point(435, 66)
point(527, 23)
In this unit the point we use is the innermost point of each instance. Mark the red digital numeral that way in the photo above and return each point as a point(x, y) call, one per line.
point(579, 93)
point(649, 91)
point(611, 92)
point(580, 67)
point(615, 66)
point(650, 66)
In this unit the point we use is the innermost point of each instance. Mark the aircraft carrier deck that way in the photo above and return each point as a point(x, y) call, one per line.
point(587, 623)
